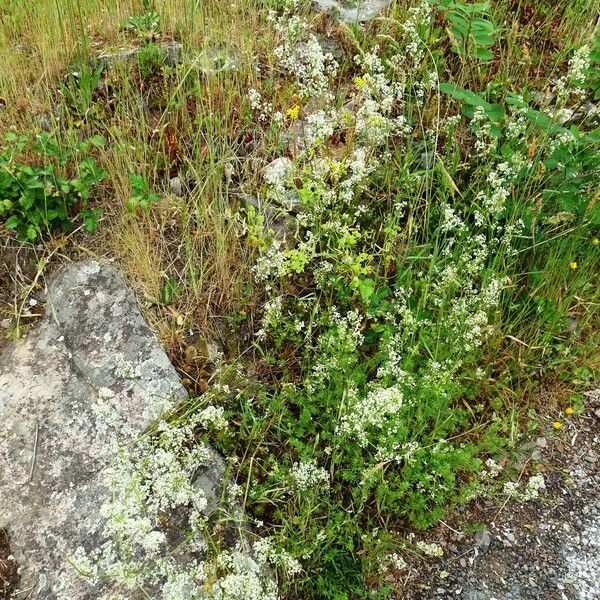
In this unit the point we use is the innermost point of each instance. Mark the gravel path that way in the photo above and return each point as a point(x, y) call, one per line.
point(547, 549)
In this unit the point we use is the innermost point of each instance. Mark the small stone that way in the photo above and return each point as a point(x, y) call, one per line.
point(483, 540)
point(427, 159)
point(174, 53)
point(216, 60)
point(44, 122)
point(176, 186)
point(278, 170)
point(541, 442)
point(354, 11)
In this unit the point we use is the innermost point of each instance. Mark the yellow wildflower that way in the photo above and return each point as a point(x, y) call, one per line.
point(573, 265)
point(570, 410)
point(595, 242)
point(557, 425)
point(359, 82)
point(294, 112)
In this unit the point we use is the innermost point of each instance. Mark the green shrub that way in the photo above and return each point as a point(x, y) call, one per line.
point(51, 193)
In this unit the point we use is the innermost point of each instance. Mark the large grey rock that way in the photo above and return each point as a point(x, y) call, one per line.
point(353, 10)
point(54, 442)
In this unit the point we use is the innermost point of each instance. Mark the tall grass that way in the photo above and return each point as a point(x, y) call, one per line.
point(441, 264)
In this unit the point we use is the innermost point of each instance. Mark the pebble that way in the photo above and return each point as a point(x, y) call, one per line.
point(176, 186)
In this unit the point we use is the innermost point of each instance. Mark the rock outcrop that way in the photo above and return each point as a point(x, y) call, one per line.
point(54, 442)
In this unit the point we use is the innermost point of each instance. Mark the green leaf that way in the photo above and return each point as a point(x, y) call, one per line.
point(484, 54)
point(31, 233)
point(494, 111)
point(594, 214)
point(12, 222)
point(366, 288)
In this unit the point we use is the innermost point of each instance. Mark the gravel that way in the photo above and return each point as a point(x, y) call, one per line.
point(547, 549)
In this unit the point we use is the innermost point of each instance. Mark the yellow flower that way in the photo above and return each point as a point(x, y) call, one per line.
point(595, 242)
point(573, 265)
point(569, 410)
point(294, 112)
point(359, 82)
point(557, 424)
point(376, 120)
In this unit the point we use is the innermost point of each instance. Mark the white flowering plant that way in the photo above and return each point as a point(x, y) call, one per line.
point(381, 321)
point(392, 231)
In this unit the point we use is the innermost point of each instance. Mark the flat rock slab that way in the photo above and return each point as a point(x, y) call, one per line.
point(172, 52)
point(54, 441)
point(352, 11)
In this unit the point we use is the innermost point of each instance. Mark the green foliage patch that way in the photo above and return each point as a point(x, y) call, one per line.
point(53, 192)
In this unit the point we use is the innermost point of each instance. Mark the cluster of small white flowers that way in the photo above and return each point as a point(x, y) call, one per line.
point(378, 96)
point(336, 345)
point(319, 126)
point(430, 548)
point(535, 484)
point(468, 317)
point(391, 367)
point(418, 16)
point(184, 584)
point(447, 124)
point(493, 469)
point(571, 83)
point(531, 491)
point(272, 312)
point(358, 168)
point(485, 142)
point(397, 452)
point(262, 107)
point(371, 411)
point(452, 221)
point(302, 56)
point(564, 139)
point(500, 181)
point(246, 579)
point(148, 479)
point(276, 175)
point(212, 417)
point(307, 474)
point(511, 488)
point(271, 263)
point(490, 293)
point(82, 563)
point(266, 552)
point(166, 469)
point(517, 123)
point(396, 561)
